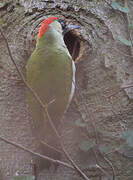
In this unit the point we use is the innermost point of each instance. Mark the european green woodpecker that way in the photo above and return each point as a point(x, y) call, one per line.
point(51, 74)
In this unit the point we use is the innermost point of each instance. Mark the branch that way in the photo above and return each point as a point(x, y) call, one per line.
point(51, 147)
point(123, 88)
point(110, 164)
point(96, 137)
point(35, 153)
point(102, 170)
point(21, 74)
point(44, 108)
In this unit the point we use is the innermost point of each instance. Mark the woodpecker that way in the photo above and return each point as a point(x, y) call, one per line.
point(50, 72)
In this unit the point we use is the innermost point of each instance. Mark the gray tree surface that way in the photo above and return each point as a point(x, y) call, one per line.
point(104, 65)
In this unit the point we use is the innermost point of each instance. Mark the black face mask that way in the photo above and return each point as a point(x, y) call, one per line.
point(66, 28)
point(63, 24)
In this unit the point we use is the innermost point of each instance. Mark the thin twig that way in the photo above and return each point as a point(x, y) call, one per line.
point(21, 74)
point(65, 152)
point(95, 153)
point(51, 147)
point(122, 88)
point(44, 108)
point(109, 4)
point(101, 169)
point(126, 87)
point(124, 54)
point(35, 153)
point(110, 164)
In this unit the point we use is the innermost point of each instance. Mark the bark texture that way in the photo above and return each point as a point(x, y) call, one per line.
point(102, 70)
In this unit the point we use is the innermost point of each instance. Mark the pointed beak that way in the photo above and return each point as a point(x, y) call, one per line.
point(70, 27)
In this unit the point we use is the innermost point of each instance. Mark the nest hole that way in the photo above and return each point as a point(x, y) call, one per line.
point(73, 44)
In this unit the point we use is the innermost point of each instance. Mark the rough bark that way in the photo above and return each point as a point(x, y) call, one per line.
point(102, 70)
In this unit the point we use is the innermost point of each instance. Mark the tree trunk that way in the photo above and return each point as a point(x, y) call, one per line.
point(102, 69)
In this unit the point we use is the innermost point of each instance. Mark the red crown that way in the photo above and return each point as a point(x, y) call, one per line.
point(45, 25)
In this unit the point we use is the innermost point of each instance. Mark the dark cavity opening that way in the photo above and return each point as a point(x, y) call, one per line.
point(73, 44)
